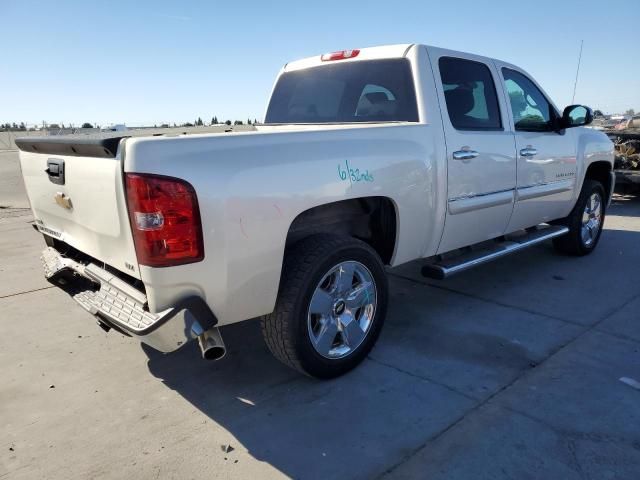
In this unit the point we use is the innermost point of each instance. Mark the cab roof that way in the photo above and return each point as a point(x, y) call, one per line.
point(370, 53)
point(399, 50)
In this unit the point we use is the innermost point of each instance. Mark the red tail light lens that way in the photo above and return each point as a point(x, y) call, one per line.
point(165, 220)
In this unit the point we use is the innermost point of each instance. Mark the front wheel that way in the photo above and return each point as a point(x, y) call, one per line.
point(585, 221)
point(330, 308)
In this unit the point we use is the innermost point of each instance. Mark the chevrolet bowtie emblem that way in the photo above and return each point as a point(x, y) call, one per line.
point(63, 200)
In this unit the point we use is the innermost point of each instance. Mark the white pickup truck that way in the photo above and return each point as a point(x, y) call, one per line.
point(367, 158)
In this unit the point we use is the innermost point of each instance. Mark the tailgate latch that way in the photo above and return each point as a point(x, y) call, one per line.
point(55, 170)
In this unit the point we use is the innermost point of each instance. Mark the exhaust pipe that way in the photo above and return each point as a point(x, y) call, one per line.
point(211, 344)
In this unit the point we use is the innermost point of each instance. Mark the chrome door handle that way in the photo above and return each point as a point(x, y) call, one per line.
point(465, 154)
point(528, 151)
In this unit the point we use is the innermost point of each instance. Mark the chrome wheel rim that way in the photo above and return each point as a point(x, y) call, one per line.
point(591, 219)
point(342, 309)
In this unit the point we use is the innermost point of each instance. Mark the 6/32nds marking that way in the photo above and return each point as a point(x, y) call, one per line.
point(353, 174)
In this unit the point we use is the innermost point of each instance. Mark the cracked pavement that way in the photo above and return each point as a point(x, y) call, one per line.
point(511, 370)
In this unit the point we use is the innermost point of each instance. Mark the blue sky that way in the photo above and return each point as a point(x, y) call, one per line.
point(146, 62)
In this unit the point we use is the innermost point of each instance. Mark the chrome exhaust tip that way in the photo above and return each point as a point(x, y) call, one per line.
point(211, 344)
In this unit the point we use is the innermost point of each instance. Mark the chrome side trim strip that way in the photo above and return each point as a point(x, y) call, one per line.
point(477, 202)
point(543, 189)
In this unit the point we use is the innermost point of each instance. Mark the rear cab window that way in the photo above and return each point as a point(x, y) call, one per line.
point(470, 94)
point(351, 92)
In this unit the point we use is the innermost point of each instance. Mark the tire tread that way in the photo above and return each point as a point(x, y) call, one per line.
point(571, 243)
point(298, 265)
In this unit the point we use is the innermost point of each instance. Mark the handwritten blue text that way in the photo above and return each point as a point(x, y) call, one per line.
point(345, 172)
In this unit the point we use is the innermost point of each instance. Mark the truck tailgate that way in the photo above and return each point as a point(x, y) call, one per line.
point(87, 209)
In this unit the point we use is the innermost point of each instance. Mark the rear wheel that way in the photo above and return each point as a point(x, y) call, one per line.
point(331, 306)
point(585, 221)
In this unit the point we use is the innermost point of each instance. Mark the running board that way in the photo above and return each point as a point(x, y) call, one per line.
point(445, 268)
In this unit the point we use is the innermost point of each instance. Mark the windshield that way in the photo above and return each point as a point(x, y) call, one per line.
point(365, 91)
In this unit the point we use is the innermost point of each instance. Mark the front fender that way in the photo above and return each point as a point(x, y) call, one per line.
point(592, 146)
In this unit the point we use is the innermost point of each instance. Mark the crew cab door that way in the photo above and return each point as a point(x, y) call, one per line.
point(546, 158)
point(481, 163)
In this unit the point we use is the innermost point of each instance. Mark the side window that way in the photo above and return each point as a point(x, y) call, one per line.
point(470, 94)
point(531, 110)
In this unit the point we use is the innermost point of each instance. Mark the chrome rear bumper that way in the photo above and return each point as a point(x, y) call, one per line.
point(117, 304)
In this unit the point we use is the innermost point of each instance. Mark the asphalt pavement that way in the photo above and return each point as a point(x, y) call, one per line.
point(526, 368)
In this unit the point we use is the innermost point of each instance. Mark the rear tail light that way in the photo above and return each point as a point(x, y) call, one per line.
point(341, 55)
point(165, 220)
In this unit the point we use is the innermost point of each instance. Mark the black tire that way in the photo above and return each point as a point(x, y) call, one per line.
point(572, 243)
point(285, 330)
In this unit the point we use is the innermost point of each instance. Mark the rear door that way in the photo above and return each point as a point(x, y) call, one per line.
point(481, 166)
point(546, 158)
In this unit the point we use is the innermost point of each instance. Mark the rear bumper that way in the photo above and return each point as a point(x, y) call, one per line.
point(117, 304)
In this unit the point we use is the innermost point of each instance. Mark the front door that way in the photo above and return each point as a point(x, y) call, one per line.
point(546, 158)
point(481, 164)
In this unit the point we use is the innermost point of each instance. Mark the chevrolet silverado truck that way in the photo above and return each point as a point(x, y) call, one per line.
point(367, 158)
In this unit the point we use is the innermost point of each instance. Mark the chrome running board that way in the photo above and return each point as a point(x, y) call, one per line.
point(445, 268)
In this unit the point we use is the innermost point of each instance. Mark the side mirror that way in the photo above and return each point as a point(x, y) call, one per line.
point(576, 116)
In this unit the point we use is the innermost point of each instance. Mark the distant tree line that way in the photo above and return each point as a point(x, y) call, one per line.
point(18, 127)
point(214, 121)
point(13, 127)
point(22, 127)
